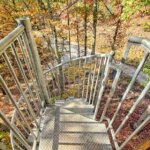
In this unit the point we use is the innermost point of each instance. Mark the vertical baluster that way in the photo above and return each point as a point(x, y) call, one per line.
point(98, 74)
point(142, 95)
point(55, 75)
point(36, 63)
point(15, 104)
point(23, 74)
point(22, 106)
point(34, 73)
point(71, 78)
point(89, 80)
point(84, 78)
point(53, 86)
point(15, 131)
point(130, 86)
point(63, 49)
point(25, 108)
point(104, 81)
point(58, 81)
point(101, 76)
point(25, 57)
point(74, 76)
point(21, 124)
point(64, 77)
point(79, 78)
point(143, 124)
point(68, 66)
point(17, 146)
point(48, 86)
point(111, 93)
point(19, 86)
point(93, 80)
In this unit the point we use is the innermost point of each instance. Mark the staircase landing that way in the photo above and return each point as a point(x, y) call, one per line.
point(69, 126)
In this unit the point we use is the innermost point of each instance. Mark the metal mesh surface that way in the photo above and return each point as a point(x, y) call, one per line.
point(68, 130)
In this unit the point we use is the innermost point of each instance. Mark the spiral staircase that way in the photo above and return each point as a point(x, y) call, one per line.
point(66, 106)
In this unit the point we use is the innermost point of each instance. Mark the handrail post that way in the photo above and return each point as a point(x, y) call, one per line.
point(36, 59)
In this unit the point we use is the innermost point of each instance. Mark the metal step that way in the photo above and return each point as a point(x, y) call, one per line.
point(69, 127)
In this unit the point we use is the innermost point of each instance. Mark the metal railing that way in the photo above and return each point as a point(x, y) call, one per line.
point(87, 77)
point(76, 78)
point(77, 85)
point(145, 44)
point(20, 58)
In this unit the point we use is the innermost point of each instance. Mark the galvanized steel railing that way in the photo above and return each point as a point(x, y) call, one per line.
point(19, 56)
point(79, 77)
point(86, 77)
point(145, 44)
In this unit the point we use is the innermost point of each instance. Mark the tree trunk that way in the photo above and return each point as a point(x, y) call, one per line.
point(85, 28)
point(69, 36)
point(49, 8)
point(118, 24)
point(94, 26)
point(61, 79)
point(78, 39)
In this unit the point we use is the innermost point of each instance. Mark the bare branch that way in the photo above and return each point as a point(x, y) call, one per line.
point(68, 6)
point(108, 8)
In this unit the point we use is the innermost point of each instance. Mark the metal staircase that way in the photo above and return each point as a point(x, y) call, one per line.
point(57, 108)
point(72, 127)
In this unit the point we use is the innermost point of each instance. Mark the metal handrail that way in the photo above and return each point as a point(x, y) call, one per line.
point(139, 40)
point(29, 105)
point(67, 65)
point(6, 41)
point(77, 59)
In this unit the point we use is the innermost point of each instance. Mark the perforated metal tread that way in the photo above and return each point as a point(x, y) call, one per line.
point(68, 128)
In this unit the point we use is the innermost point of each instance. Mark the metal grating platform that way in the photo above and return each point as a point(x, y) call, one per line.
point(69, 126)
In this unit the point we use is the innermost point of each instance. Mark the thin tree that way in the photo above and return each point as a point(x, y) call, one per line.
point(77, 32)
point(77, 29)
point(49, 8)
point(58, 58)
point(85, 28)
point(118, 25)
point(69, 34)
point(94, 26)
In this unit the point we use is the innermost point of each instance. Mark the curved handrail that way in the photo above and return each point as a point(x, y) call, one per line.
point(145, 43)
point(79, 58)
point(140, 40)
